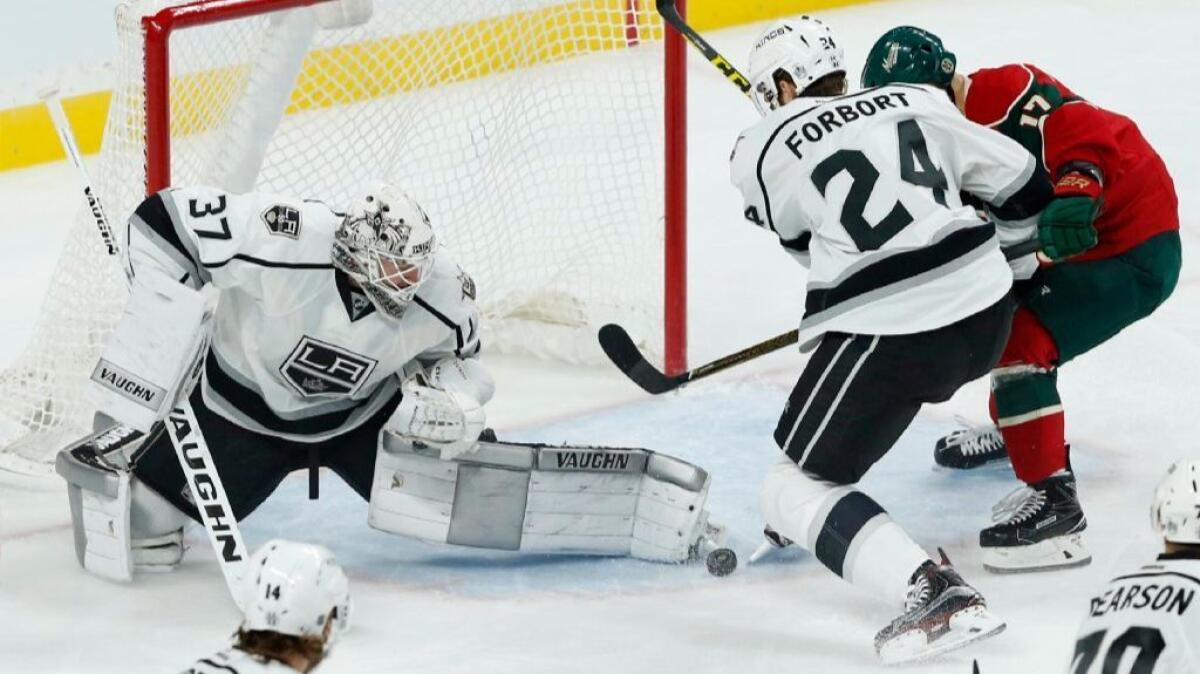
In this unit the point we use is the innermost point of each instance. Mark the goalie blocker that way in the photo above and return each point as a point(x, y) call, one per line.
point(544, 499)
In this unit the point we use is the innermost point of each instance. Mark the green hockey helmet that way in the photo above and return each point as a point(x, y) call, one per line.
point(908, 54)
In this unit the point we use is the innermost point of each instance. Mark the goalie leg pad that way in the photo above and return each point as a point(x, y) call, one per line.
point(99, 494)
point(533, 498)
point(119, 524)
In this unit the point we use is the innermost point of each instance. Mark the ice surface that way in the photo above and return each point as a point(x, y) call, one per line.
point(1131, 407)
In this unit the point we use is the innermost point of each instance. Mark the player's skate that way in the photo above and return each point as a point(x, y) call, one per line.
point(942, 613)
point(1038, 527)
point(970, 448)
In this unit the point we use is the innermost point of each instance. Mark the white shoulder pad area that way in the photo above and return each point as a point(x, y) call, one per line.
point(536, 498)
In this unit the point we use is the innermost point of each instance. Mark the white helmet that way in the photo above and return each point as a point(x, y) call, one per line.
point(291, 588)
point(386, 244)
point(804, 48)
point(1175, 513)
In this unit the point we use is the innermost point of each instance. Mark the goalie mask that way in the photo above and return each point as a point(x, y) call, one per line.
point(297, 589)
point(1175, 513)
point(386, 244)
point(803, 48)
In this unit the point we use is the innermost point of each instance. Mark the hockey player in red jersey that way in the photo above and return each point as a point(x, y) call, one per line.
point(1110, 256)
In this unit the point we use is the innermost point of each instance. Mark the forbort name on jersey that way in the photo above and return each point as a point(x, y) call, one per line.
point(1154, 596)
point(836, 116)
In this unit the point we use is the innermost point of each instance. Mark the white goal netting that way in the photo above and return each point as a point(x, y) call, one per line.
point(530, 131)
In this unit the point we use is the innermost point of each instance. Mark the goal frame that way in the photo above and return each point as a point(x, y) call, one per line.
point(157, 31)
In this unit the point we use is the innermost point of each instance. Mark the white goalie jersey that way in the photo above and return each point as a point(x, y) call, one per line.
point(1145, 622)
point(297, 350)
point(865, 190)
point(234, 661)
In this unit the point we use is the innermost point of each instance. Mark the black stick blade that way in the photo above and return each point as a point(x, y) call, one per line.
point(621, 350)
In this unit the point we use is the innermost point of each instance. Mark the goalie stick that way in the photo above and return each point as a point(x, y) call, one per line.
point(615, 340)
point(208, 494)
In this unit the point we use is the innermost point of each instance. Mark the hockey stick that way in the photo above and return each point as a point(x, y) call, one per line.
point(208, 494)
point(59, 117)
point(670, 14)
point(621, 350)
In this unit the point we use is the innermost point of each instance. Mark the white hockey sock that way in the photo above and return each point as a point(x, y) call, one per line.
point(882, 559)
point(848, 532)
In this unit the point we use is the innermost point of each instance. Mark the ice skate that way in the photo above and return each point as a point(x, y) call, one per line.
point(970, 448)
point(941, 613)
point(1037, 527)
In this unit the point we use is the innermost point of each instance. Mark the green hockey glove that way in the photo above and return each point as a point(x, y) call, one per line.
point(1066, 227)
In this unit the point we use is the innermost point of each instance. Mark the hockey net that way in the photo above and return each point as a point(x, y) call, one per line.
point(530, 130)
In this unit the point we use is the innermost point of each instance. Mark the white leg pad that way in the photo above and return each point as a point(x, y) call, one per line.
point(120, 524)
point(533, 498)
point(100, 505)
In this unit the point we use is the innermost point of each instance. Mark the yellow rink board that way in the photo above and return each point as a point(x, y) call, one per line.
point(430, 57)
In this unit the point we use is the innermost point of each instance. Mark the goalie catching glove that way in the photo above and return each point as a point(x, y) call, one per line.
point(443, 408)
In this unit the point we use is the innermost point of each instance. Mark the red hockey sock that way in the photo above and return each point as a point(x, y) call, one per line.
point(1025, 401)
point(1037, 447)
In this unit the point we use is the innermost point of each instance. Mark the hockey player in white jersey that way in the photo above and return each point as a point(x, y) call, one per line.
point(297, 603)
point(1148, 621)
point(339, 340)
point(908, 298)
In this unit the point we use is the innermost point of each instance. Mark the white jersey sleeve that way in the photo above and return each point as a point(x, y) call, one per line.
point(866, 190)
point(234, 661)
point(1145, 622)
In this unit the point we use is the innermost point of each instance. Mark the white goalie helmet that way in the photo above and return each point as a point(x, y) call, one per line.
point(804, 48)
point(1175, 513)
point(387, 245)
point(295, 588)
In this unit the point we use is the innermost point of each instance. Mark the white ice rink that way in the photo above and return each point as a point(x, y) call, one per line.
point(1132, 406)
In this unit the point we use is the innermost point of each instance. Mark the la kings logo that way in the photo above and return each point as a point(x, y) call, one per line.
point(316, 368)
point(282, 221)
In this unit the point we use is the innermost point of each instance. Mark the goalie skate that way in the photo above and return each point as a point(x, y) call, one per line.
point(942, 613)
point(970, 448)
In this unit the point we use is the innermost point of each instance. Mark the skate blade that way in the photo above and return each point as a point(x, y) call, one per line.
point(995, 463)
point(1063, 552)
point(974, 623)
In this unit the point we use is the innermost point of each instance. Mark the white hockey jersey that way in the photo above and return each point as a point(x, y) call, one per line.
point(865, 190)
point(234, 661)
point(297, 352)
point(1145, 622)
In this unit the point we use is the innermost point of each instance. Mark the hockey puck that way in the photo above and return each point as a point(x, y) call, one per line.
point(721, 562)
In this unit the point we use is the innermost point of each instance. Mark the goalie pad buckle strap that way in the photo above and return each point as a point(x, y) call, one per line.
point(536, 498)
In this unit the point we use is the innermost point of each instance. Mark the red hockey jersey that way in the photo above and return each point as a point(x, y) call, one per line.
point(1058, 127)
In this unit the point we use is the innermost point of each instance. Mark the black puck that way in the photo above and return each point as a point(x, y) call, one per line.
point(721, 562)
